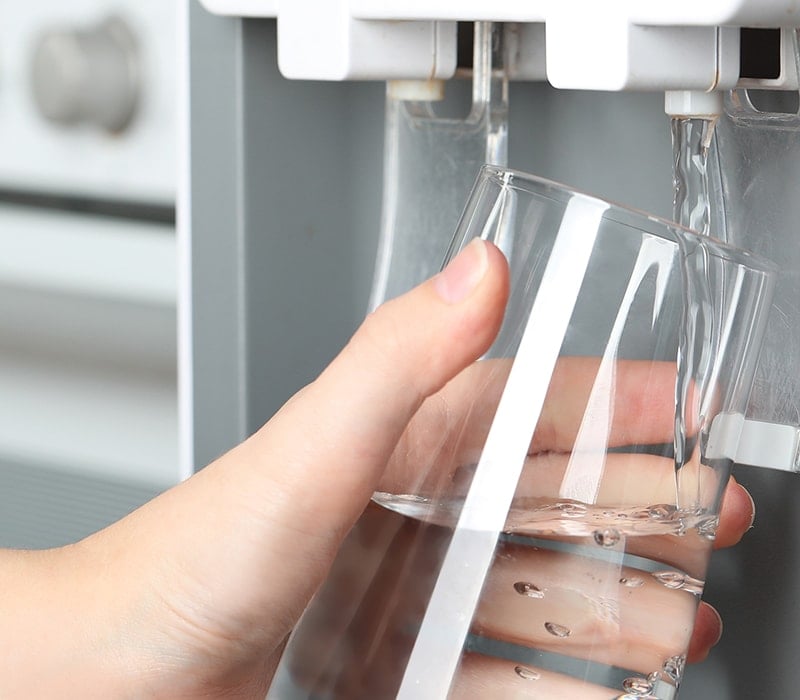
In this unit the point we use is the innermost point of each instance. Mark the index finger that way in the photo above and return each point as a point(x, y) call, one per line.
point(450, 428)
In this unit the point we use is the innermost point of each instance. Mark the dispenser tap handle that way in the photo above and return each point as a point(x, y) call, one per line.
point(754, 443)
point(769, 445)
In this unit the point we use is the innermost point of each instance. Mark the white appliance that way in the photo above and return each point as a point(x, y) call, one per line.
point(88, 270)
point(62, 66)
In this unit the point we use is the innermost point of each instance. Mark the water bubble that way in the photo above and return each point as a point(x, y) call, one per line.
point(557, 630)
point(632, 581)
point(528, 589)
point(670, 579)
point(708, 528)
point(637, 686)
point(662, 511)
point(571, 510)
point(673, 667)
point(606, 538)
point(693, 585)
point(607, 609)
point(526, 673)
point(676, 580)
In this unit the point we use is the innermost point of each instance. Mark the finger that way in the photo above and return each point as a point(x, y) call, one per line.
point(707, 632)
point(584, 607)
point(358, 408)
point(737, 513)
point(643, 403)
point(490, 678)
point(451, 427)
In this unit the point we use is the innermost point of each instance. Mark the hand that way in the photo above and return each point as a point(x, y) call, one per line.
point(194, 594)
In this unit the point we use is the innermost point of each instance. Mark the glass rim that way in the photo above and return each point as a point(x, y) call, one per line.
point(544, 187)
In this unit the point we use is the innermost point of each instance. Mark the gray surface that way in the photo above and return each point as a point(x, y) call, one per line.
point(286, 185)
point(217, 245)
point(284, 216)
point(42, 507)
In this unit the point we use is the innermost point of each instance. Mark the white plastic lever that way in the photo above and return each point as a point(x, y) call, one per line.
point(769, 445)
point(754, 443)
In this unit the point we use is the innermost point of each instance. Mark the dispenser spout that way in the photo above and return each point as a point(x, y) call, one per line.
point(689, 104)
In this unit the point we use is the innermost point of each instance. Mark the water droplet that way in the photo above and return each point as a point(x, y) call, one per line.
point(526, 673)
point(606, 538)
point(670, 579)
point(673, 667)
point(637, 686)
point(528, 589)
point(632, 581)
point(557, 630)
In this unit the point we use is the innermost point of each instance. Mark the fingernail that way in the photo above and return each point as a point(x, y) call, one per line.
point(752, 510)
point(720, 627)
point(463, 273)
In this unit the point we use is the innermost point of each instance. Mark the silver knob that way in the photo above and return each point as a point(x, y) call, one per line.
point(87, 75)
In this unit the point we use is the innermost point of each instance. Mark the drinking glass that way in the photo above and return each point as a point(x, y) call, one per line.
point(544, 526)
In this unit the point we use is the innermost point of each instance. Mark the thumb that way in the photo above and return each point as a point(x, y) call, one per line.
point(351, 418)
point(337, 435)
point(319, 459)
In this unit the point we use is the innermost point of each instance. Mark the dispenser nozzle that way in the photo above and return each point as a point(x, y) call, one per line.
point(693, 103)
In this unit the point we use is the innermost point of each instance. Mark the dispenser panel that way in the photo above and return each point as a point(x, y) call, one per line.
point(630, 46)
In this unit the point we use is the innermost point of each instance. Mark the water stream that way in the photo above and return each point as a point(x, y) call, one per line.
point(692, 139)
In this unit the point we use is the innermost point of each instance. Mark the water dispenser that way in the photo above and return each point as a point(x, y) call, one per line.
point(685, 108)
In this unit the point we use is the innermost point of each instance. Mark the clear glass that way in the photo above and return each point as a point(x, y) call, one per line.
point(544, 527)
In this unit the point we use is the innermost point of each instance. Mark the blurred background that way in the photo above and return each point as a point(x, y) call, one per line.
point(88, 281)
point(286, 185)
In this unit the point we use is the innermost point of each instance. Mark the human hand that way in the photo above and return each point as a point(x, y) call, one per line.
point(193, 594)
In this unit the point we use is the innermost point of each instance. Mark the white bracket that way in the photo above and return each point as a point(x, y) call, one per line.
point(770, 445)
point(754, 443)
